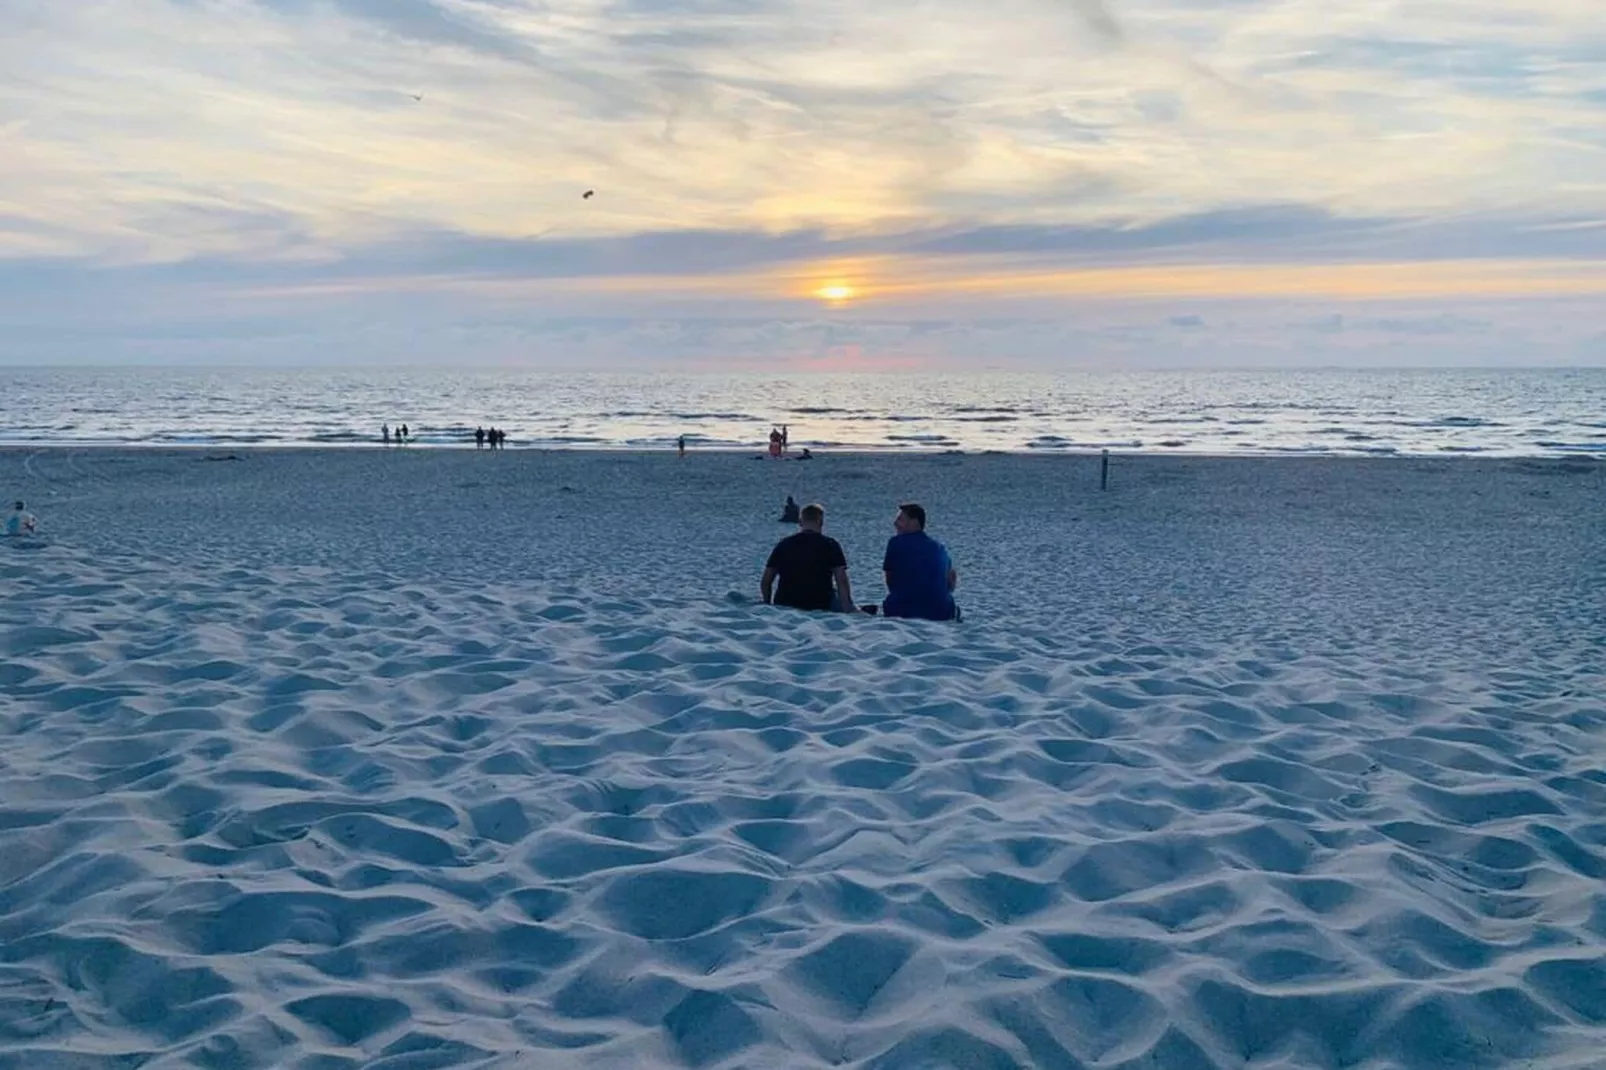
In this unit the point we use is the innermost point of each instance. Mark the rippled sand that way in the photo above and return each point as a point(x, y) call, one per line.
point(440, 760)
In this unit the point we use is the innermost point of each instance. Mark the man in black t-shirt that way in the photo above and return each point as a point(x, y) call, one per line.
point(807, 563)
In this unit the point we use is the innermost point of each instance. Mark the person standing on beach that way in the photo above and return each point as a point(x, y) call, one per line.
point(786, 439)
point(384, 432)
point(479, 438)
point(21, 522)
point(681, 445)
point(808, 564)
point(920, 574)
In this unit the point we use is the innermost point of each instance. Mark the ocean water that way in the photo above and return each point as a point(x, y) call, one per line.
point(1511, 413)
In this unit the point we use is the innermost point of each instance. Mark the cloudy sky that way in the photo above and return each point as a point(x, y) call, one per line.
point(940, 183)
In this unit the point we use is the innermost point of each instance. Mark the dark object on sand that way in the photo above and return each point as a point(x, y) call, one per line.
point(588, 194)
point(226, 457)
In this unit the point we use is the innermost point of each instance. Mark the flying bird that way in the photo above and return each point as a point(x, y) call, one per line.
point(417, 96)
point(588, 194)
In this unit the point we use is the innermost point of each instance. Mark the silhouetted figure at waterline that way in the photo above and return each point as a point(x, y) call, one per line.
point(789, 511)
point(479, 438)
point(21, 522)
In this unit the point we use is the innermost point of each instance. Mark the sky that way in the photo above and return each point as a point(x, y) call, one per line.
point(779, 184)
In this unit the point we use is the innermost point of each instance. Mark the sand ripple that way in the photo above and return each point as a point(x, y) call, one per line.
point(281, 818)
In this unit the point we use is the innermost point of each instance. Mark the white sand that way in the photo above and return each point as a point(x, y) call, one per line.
point(413, 760)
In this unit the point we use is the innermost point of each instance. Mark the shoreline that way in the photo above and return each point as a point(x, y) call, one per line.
point(853, 452)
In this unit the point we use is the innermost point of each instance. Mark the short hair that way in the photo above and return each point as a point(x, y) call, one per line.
point(20, 505)
point(914, 512)
point(811, 514)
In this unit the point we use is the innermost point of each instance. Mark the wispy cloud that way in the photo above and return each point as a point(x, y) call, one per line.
point(1027, 151)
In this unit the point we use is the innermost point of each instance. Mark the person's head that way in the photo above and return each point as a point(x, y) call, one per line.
point(811, 517)
point(911, 517)
point(21, 506)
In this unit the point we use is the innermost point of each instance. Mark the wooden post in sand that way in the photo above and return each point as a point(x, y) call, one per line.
point(1104, 472)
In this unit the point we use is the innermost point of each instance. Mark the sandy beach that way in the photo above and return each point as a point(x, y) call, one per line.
point(413, 759)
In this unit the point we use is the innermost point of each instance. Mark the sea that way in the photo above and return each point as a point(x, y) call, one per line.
point(1548, 412)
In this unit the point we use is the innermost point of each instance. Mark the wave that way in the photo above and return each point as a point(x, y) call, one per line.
point(1573, 447)
point(1055, 442)
point(670, 414)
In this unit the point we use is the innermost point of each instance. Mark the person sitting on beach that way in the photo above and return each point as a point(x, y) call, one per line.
point(789, 512)
point(920, 575)
point(21, 522)
point(805, 455)
point(806, 564)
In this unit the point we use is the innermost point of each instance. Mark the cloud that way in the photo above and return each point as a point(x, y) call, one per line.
point(1440, 324)
point(270, 154)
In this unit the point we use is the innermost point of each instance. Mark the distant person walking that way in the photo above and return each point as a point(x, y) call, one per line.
point(21, 522)
point(384, 432)
point(807, 565)
point(479, 438)
point(680, 445)
point(786, 439)
point(401, 435)
point(920, 574)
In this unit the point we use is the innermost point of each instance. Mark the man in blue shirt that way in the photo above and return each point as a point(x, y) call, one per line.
point(920, 575)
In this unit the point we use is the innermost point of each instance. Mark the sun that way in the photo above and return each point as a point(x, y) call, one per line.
point(836, 293)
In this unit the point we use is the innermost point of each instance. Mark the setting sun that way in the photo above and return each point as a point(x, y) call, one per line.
point(836, 292)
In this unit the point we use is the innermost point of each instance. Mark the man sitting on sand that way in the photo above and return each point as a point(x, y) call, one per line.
point(920, 575)
point(806, 564)
point(21, 522)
